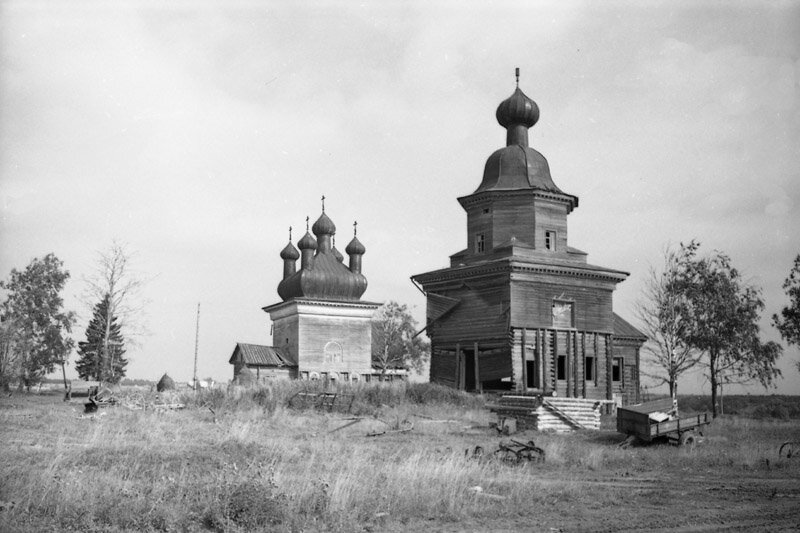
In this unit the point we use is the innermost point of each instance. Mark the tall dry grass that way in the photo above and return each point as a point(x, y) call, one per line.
point(254, 464)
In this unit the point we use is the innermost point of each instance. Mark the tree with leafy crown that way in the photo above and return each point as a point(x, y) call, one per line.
point(720, 315)
point(788, 322)
point(394, 340)
point(101, 354)
point(33, 326)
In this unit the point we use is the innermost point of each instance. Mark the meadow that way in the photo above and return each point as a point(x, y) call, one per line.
point(246, 461)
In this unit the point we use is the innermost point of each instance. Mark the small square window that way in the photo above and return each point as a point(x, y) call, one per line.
point(480, 243)
point(486, 211)
point(550, 240)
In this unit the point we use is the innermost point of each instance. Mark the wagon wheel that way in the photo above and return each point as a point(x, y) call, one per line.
point(688, 439)
point(533, 454)
point(789, 447)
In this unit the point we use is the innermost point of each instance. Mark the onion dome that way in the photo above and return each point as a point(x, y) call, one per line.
point(290, 253)
point(355, 247)
point(517, 166)
point(323, 226)
point(307, 242)
point(517, 109)
point(322, 275)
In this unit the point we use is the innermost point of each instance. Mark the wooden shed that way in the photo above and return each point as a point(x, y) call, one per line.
point(519, 308)
point(265, 362)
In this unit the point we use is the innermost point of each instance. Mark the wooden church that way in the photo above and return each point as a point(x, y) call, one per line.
point(519, 308)
point(321, 329)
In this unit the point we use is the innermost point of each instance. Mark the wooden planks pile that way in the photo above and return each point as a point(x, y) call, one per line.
point(549, 413)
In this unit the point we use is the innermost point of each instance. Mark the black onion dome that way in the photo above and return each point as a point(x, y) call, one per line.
point(323, 226)
point(290, 252)
point(355, 247)
point(517, 109)
point(307, 242)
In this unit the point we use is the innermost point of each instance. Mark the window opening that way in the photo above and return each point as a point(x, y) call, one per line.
point(562, 314)
point(480, 243)
point(550, 240)
point(616, 369)
point(589, 368)
point(561, 367)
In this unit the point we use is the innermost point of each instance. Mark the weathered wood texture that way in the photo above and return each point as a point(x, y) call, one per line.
point(481, 314)
point(532, 305)
point(548, 413)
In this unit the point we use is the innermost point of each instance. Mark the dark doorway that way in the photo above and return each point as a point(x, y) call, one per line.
point(469, 369)
point(531, 374)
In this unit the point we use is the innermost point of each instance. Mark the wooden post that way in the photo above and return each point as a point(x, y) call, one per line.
point(555, 360)
point(458, 366)
point(477, 371)
point(583, 353)
point(578, 365)
point(539, 360)
point(524, 372)
point(597, 362)
point(609, 361)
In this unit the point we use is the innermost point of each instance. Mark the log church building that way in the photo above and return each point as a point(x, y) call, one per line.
point(519, 308)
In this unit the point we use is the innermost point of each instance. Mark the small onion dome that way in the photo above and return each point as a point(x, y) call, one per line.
point(290, 252)
point(517, 109)
point(307, 242)
point(355, 247)
point(323, 226)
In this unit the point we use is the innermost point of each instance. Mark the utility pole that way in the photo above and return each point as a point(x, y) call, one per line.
point(196, 340)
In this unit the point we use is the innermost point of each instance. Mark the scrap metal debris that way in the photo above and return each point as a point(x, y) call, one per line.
point(518, 452)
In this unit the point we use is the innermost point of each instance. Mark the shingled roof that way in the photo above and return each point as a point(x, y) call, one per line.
point(624, 329)
point(258, 355)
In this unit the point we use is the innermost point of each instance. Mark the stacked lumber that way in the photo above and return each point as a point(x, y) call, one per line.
point(549, 413)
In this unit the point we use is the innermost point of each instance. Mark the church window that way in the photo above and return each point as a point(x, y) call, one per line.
point(562, 314)
point(550, 240)
point(480, 243)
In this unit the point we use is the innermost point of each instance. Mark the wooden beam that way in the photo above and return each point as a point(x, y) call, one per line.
point(576, 368)
point(457, 377)
point(583, 354)
point(477, 371)
point(555, 359)
point(609, 361)
point(540, 359)
point(570, 378)
point(524, 373)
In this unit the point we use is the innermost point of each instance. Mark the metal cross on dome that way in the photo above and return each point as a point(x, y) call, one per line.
point(355, 227)
point(323, 203)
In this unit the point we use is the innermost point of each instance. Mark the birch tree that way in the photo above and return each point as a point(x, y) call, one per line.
point(393, 342)
point(788, 322)
point(659, 311)
point(116, 282)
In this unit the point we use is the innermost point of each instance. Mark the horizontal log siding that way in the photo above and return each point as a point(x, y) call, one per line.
point(443, 367)
point(551, 216)
point(532, 304)
point(513, 217)
point(480, 315)
point(495, 365)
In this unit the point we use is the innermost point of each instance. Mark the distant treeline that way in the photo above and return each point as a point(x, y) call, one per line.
point(125, 381)
point(774, 406)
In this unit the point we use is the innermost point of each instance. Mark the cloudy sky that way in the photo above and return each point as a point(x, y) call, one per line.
point(198, 132)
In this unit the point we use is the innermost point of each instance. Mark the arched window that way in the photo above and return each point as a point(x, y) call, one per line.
point(333, 352)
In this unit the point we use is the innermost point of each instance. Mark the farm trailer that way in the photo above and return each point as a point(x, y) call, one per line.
point(643, 422)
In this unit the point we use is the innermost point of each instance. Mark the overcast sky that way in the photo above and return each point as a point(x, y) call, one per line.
point(198, 133)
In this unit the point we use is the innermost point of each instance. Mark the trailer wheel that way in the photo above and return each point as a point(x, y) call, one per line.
point(687, 439)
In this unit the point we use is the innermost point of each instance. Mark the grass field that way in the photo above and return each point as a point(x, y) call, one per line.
point(246, 462)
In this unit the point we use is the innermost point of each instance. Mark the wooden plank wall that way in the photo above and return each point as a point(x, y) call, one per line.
point(576, 346)
point(480, 315)
point(532, 305)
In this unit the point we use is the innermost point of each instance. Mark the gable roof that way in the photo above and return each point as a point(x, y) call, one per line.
point(624, 329)
point(256, 354)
